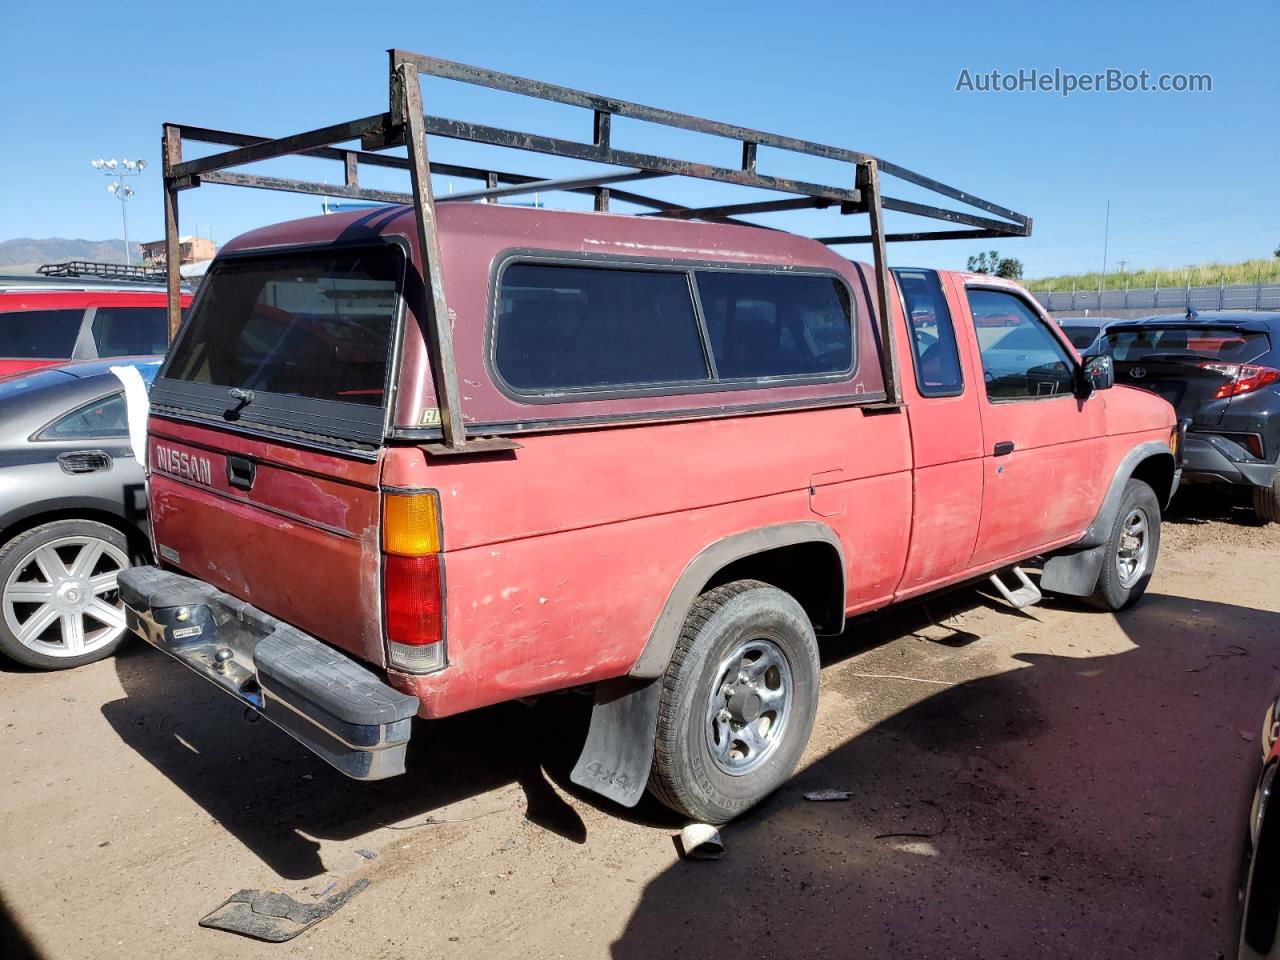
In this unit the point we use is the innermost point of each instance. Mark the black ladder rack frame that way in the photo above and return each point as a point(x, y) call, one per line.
point(406, 124)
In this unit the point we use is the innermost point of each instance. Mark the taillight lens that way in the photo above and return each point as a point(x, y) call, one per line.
point(1243, 378)
point(413, 581)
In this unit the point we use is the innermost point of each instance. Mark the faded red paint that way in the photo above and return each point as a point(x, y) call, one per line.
point(559, 556)
point(303, 544)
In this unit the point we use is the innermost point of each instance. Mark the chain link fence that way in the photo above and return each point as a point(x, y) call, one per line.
point(1236, 296)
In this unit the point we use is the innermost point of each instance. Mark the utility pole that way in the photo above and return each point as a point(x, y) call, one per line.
point(118, 170)
point(1106, 236)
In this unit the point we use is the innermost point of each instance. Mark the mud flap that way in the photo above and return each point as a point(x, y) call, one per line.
point(616, 758)
point(1073, 573)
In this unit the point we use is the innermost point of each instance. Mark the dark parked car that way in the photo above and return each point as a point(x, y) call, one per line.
point(72, 511)
point(1221, 371)
point(1083, 331)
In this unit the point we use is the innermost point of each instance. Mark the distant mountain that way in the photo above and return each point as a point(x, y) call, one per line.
point(24, 254)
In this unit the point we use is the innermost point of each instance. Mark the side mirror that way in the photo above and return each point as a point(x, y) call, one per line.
point(1097, 373)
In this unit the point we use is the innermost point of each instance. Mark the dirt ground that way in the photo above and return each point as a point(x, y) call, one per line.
point(1056, 780)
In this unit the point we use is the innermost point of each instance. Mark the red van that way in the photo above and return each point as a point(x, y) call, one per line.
point(682, 452)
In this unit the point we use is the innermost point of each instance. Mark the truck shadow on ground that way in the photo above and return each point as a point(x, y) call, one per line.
point(274, 796)
point(1084, 807)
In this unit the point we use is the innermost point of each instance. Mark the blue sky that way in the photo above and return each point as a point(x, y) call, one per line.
point(1191, 176)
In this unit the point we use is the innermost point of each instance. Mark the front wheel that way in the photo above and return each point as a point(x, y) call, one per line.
point(1131, 549)
point(738, 701)
point(59, 603)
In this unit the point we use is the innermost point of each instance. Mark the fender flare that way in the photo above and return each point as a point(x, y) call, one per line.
point(1074, 571)
point(1098, 531)
point(656, 654)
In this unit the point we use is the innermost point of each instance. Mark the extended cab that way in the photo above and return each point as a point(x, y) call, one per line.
point(684, 464)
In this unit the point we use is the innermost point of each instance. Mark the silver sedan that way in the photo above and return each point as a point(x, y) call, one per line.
point(72, 511)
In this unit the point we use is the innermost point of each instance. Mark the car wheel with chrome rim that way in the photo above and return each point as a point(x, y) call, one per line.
point(59, 601)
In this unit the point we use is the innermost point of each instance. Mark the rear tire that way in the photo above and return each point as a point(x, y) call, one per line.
point(59, 605)
point(1266, 501)
point(1131, 549)
point(738, 702)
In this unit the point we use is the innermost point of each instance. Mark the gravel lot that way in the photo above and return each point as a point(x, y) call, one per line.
point(1056, 779)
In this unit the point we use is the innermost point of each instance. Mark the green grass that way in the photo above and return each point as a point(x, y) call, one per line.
point(1205, 275)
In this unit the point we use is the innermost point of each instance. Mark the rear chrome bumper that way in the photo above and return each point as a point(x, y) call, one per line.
point(325, 700)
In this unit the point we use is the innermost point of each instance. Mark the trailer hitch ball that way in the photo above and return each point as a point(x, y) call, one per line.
point(222, 659)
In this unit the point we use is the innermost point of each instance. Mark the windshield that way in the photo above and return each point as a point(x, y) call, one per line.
point(1211, 343)
point(316, 326)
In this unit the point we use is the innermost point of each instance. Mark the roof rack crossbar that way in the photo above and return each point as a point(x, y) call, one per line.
point(407, 125)
point(914, 237)
point(562, 183)
point(284, 146)
point(920, 180)
point(600, 153)
point(738, 209)
point(949, 216)
point(229, 179)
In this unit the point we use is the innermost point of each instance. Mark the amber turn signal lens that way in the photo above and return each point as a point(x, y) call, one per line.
point(411, 524)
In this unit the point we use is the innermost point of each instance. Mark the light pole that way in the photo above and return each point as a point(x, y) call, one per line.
point(118, 170)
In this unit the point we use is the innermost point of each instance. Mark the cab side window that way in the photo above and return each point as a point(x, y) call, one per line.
point(933, 335)
point(99, 420)
point(1021, 358)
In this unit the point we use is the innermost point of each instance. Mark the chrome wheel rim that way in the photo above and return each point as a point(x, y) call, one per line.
point(62, 599)
point(1131, 555)
point(749, 706)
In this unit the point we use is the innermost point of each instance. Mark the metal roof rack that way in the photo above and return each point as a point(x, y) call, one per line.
point(406, 124)
point(104, 271)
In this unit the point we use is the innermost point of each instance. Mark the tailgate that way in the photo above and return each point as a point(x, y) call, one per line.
point(267, 421)
point(300, 541)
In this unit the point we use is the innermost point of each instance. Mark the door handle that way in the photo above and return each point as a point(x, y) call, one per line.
point(241, 472)
point(1003, 448)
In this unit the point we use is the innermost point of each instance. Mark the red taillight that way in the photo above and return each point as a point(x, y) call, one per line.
point(413, 599)
point(1243, 378)
point(413, 581)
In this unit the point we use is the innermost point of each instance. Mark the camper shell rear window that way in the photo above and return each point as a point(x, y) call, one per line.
point(304, 339)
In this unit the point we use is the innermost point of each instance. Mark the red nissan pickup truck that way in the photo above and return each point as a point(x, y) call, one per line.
point(685, 460)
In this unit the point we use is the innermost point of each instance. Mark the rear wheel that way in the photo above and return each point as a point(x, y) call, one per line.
point(738, 701)
point(1266, 501)
point(59, 602)
point(1131, 549)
